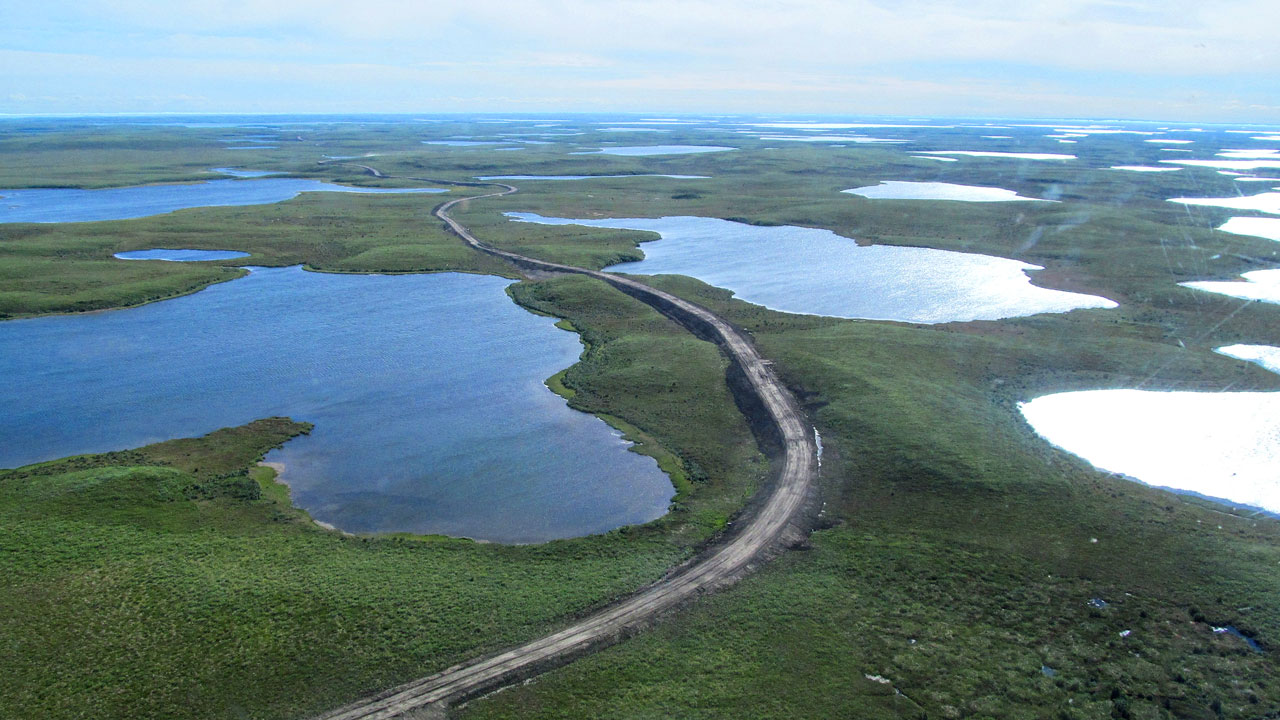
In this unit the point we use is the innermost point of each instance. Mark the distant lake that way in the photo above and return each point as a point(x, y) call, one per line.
point(72, 205)
point(902, 190)
point(986, 154)
point(856, 139)
point(464, 143)
point(642, 150)
point(586, 177)
point(426, 391)
point(805, 270)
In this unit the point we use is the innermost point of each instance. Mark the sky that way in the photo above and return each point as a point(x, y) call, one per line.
point(1175, 60)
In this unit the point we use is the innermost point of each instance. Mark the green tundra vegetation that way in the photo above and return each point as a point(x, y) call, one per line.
point(961, 560)
point(962, 567)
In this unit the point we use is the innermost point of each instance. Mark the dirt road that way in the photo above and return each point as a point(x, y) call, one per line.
point(776, 519)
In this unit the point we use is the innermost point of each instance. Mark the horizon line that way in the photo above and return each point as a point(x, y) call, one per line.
point(602, 113)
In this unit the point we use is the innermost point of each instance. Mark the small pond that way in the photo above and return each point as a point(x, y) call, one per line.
point(173, 255)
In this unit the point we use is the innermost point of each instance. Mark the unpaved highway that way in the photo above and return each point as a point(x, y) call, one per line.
point(776, 519)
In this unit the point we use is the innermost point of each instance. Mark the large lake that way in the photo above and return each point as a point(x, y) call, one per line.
point(426, 391)
point(805, 270)
point(72, 205)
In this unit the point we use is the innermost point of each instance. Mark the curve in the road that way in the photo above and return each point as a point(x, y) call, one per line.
point(777, 517)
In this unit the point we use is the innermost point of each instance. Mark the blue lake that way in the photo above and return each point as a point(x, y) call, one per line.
point(72, 205)
point(426, 391)
point(817, 272)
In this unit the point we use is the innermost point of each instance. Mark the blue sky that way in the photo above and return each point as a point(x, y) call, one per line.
point(1156, 59)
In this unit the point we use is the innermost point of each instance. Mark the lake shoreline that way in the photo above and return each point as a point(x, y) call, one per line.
point(592, 502)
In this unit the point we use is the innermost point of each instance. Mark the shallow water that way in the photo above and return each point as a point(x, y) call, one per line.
point(902, 190)
point(803, 270)
point(70, 205)
point(426, 391)
point(173, 255)
point(1223, 445)
point(1235, 632)
point(642, 150)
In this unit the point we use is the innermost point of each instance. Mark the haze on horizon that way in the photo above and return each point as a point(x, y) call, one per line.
point(1174, 60)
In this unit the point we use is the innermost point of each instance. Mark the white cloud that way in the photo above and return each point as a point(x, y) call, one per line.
point(982, 56)
point(1162, 36)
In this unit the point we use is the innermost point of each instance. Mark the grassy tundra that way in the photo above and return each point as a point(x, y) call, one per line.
point(960, 554)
